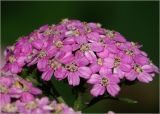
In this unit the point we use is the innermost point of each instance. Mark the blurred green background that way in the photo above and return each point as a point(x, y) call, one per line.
point(137, 21)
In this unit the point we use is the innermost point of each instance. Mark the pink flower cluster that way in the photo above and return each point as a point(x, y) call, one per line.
point(14, 87)
point(19, 96)
point(37, 106)
point(73, 49)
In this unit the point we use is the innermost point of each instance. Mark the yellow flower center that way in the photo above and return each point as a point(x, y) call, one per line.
point(58, 44)
point(42, 54)
point(20, 85)
point(10, 108)
point(31, 39)
point(31, 105)
point(54, 64)
point(129, 52)
point(118, 43)
point(110, 34)
point(104, 81)
point(85, 47)
point(100, 61)
point(71, 67)
point(138, 68)
point(12, 59)
point(63, 21)
point(76, 32)
point(3, 89)
point(101, 40)
point(117, 61)
point(87, 28)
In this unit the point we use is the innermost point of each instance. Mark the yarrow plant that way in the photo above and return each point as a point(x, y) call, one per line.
point(78, 53)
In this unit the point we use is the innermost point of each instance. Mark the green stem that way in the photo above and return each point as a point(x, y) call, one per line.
point(56, 94)
point(60, 99)
point(78, 102)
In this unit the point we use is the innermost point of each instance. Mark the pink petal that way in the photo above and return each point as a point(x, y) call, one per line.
point(7, 81)
point(144, 77)
point(26, 48)
point(104, 71)
point(15, 90)
point(66, 48)
point(94, 79)
point(119, 73)
point(112, 48)
point(85, 72)
point(93, 36)
point(119, 37)
point(73, 79)
point(14, 68)
point(81, 39)
point(51, 51)
point(113, 78)
point(131, 75)
point(148, 68)
point(113, 89)
point(43, 101)
point(34, 61)
point(83, 61)
point(60, 73)
point(47, 75)
point(127, 59)
point(66, 57)
point(42, 63)
point(108, 62)
point(27, 97)
point(125, 67)
point(95, 67)
point(21, 60)
point(69, 40)
point(75, 47)
point(37, 44)
point(97, 90)
point(103, 54)
point(90, 55)
point(97, 47)
point(4, 99)
point(35, 91)
point(142, 60)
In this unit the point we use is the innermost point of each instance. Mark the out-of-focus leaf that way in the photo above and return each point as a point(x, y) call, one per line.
point(65, 91)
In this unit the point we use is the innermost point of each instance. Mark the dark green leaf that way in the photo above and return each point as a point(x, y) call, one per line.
point(65, 91)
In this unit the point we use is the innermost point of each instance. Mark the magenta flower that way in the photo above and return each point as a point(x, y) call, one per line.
point(23, 46)
point(5, 83)
point(73, 70)
point(54, 65)
point(142, 73)
point(16, 87)
point(104, 82)
point(14, 63)
point(113, 35)
point(23, 89)
point(42, 52)
point(36, 106)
